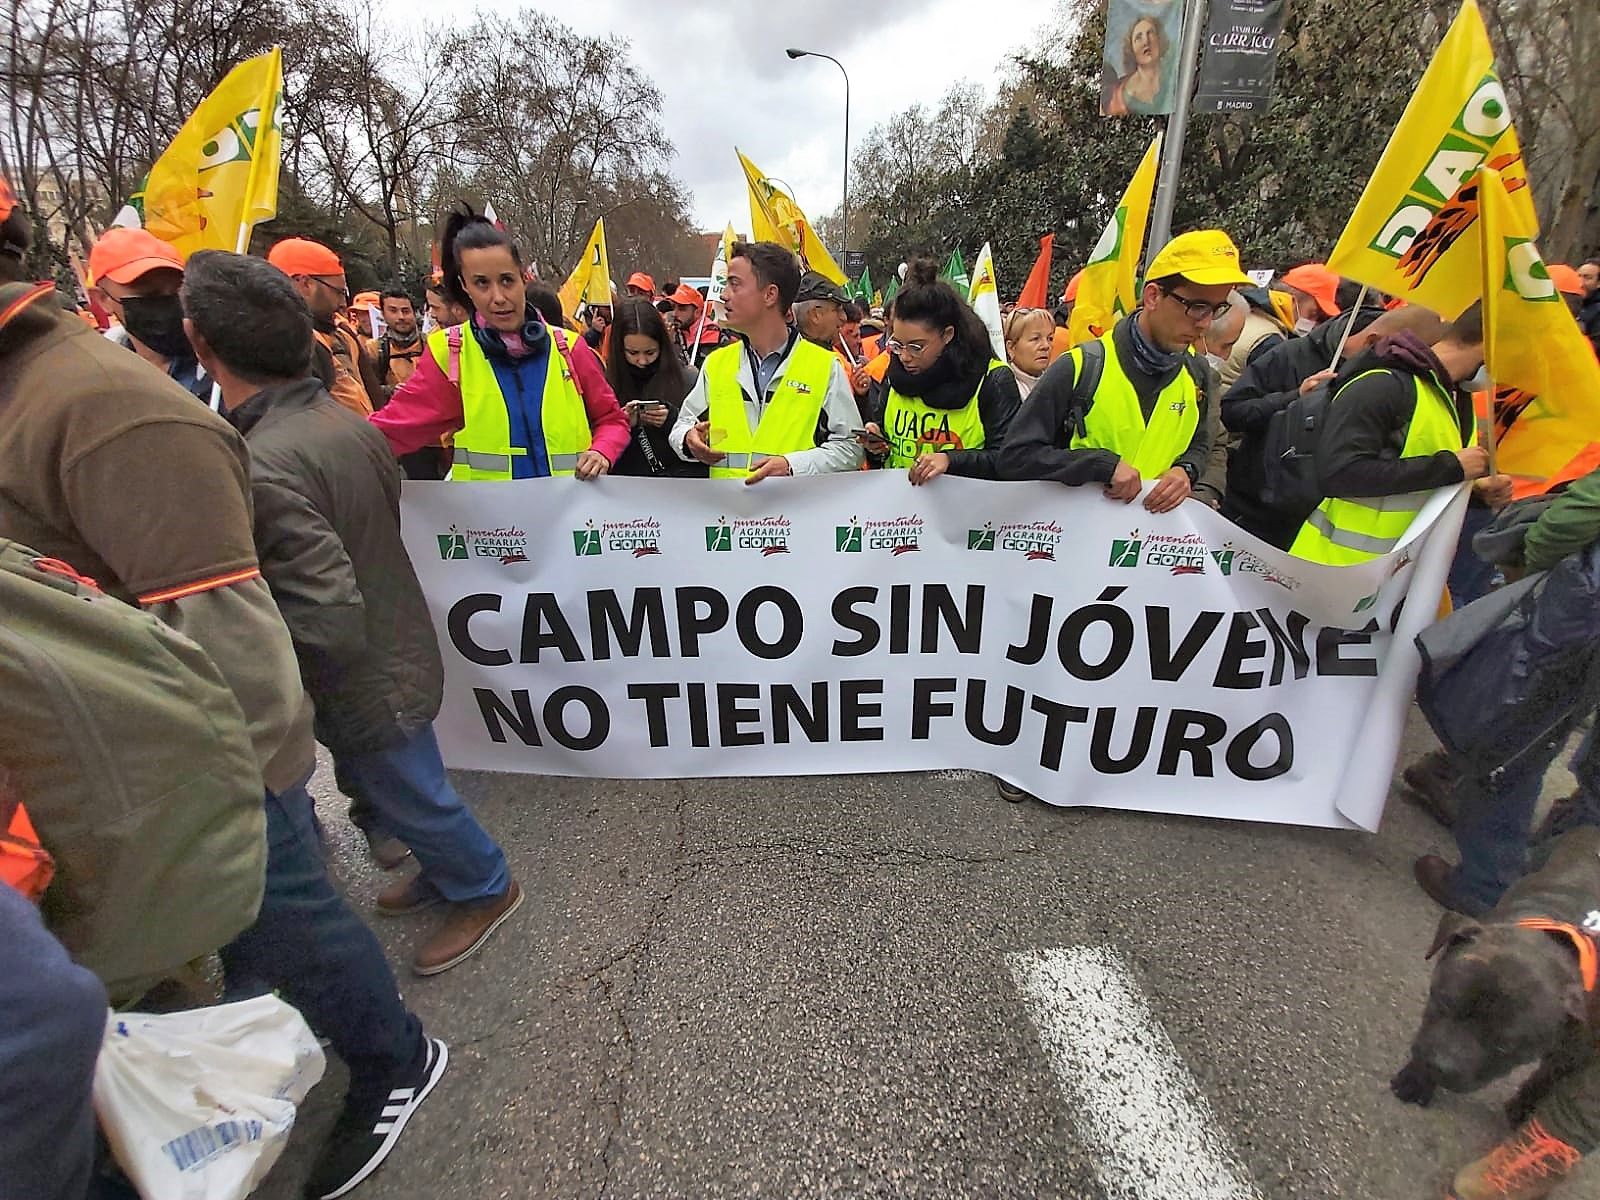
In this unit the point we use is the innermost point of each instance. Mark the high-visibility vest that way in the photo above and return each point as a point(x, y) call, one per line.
point(1342, 531)
point(789, 420)
point(913, 428)
point(1115, 422)
point(483, 447)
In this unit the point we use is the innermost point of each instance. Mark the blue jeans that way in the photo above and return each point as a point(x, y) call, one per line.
point(1471, 578)
point(1491, 828)
point(406, 790)
point(309, 945)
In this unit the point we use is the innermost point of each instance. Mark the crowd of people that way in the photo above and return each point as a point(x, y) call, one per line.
point(268, 531)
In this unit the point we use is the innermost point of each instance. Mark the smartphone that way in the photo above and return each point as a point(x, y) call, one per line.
point(870, 435)
point(647, 403)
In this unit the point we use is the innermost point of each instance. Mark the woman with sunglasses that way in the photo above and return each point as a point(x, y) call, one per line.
point(1129, 407)
point(945, 402)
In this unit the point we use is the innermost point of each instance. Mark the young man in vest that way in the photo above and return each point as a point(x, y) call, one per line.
point(318, 276)
point(1398, 427)
point(1144, 420)
point(771, 403)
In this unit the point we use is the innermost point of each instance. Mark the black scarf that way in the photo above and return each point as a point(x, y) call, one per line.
point(948, 384)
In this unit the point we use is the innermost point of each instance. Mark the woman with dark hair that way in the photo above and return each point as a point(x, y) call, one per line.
point(650, 380)
point(946, 400)
point(521, 403)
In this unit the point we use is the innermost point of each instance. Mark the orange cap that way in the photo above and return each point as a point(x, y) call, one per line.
point(365, 300)
point(1071, 293)
point(1565, 278)
point(302, 256)
point(123, 255)
point(640, 280)
point(1316, 281)
point(687, 295)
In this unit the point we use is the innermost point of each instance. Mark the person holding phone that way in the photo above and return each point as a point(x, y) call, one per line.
point(650, 379)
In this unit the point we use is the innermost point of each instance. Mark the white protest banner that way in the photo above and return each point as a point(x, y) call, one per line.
point(1078, 647)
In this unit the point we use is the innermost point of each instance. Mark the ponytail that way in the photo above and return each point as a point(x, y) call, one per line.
point(468, 230)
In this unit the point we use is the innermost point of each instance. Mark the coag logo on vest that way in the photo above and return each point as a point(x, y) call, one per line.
point(896, 535)
point(916, 433)
point(508, 543)
point(764, 535)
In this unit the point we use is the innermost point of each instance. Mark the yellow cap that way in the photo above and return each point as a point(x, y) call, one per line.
point(1205, 256)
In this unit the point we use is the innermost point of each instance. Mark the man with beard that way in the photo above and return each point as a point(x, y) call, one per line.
point(341, 361)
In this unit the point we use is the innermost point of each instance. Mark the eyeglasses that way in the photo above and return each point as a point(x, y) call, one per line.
point(915, 348)
point(1198, 310)
point(342, 292)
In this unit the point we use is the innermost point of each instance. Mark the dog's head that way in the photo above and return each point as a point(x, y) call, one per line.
point(1502, 996)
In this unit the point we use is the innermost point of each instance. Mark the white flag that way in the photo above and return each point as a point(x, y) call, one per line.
point(985, 300)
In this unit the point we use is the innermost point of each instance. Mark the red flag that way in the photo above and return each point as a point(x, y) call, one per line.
point(1036, 292)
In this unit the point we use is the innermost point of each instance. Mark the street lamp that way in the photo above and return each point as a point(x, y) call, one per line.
point(845, 207)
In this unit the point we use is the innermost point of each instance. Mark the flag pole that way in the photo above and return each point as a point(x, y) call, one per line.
point(1344, 337)
point(1177, 125)
point(699, 327)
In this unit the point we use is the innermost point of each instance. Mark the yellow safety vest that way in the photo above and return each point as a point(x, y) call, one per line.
point(789, 420)
point(1115, 422)
point(914, 429)
point(1342, 531)
point(483, 448)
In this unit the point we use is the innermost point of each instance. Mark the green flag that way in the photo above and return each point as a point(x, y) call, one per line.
point(863, 289)
point(894, 286)
point(955, 272)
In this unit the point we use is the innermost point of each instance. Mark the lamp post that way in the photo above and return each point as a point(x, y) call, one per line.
point(844, 208)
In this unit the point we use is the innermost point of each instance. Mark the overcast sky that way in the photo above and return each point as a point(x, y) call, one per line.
point(725, 80)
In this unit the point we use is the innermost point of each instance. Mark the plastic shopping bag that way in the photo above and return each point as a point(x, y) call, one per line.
point(198, 1105)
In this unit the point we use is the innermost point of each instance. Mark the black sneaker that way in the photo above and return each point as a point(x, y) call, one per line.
point(368, 1128)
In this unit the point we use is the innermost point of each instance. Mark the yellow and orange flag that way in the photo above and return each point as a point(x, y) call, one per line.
point(219, 177)
point(1411, 233)
point(774, 217)
point(1532, 343)
point(1106, 289)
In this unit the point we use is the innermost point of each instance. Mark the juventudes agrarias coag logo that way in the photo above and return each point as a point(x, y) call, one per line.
point(638, 536)
point(895, 535)
point(762, 535)
point(1181, 554)
point(508, 543)
point(1036, 541)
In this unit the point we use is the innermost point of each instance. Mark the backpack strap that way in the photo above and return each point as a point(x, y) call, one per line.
point(452, 339)
point(1091, 367)
point(383, 359)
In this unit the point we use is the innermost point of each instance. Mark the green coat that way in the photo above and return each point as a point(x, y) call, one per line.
point(1568, 525)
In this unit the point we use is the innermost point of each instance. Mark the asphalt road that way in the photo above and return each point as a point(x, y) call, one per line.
point(797, 988)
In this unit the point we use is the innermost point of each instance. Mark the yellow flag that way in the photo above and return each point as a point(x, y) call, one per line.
point(1106, 290)
point(984, 296)
point(590, 281)
point(1457, 121)
point(220, 174)
point(1531, 342)
point(776, 218)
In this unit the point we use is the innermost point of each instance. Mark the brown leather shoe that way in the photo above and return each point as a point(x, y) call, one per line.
point(386, 850)
point(1433, 876)
point(409, 895)
point(466, 929)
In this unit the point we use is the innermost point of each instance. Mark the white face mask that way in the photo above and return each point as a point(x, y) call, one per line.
point(428, 324)
point(1216, 361)
point(1478, 381)
point(1304, 326)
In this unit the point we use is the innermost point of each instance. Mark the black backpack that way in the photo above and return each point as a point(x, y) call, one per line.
point(1290, 483)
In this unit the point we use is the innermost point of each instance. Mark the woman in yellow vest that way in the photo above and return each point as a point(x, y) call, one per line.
point(946, 401)
point(521, 404)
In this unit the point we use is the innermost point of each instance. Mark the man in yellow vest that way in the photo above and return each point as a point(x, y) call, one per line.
point(1397, 427)
point(1128, 408)
point(771, 403)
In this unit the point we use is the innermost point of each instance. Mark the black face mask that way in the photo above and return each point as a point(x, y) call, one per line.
point(157, 322)
point(644, 374)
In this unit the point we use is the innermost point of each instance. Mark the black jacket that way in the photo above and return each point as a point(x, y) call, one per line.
point(327, 525)
point(649, 453)
point(1037, 447)
point(1589, 318)
point(1358, 453)
point(1267, 386)
point(998, 401)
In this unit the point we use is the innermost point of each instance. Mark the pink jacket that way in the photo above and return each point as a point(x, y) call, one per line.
point(427, 406)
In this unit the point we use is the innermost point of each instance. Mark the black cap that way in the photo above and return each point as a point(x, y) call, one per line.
point(814, 286)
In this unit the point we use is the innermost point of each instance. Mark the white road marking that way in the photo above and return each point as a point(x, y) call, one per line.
point(1135, 1105)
